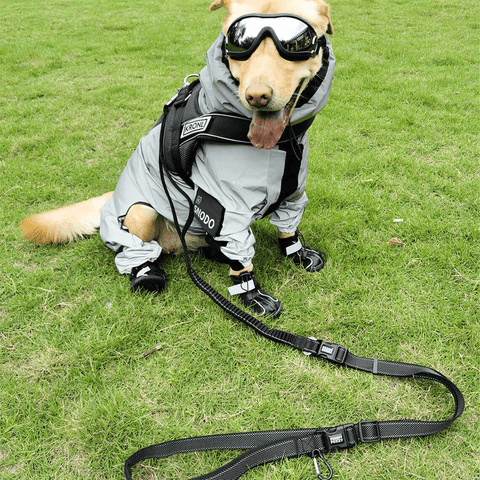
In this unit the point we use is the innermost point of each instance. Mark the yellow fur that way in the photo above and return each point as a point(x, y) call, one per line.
point(67, 223)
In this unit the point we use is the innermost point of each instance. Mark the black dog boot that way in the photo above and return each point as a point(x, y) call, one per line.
point(253, 297)
point(147, 277)
point(294, 249)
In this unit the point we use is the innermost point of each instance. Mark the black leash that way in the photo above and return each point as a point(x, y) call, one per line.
point(269, 446)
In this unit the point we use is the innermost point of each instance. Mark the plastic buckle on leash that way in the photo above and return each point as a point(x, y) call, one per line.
point(333, 352)
point(340, 437)
point(329, 351)
point(318, 454)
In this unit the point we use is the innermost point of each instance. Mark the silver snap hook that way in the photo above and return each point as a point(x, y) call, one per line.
point(317, 454)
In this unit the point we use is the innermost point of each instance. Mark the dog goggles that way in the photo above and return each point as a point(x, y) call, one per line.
point(294, 37)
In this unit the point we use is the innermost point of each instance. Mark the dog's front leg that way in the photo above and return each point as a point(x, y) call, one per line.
point(141, 222)
point(252, 295)
point(292, 247)
point(236, 273)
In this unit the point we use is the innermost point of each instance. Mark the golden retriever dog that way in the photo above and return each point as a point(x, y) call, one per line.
point(271, 64)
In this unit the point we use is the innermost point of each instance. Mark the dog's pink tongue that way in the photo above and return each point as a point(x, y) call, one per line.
point(266, 129)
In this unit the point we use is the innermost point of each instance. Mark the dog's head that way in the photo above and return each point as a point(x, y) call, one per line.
point(270, 85)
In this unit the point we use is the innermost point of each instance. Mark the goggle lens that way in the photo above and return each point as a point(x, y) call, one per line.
point(294, 37)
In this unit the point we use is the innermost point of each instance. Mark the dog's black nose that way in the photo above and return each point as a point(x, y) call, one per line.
point(259, 96)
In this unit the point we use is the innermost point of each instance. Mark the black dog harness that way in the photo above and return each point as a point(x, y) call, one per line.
point(184, 127)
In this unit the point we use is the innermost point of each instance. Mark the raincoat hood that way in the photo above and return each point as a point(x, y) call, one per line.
point(220, 91)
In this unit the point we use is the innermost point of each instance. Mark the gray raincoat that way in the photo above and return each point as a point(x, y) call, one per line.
point(246, 181)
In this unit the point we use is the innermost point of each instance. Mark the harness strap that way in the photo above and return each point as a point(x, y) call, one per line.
point(184, 126)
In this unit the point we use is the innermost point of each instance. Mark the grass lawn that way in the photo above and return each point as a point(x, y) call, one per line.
point(81, 83)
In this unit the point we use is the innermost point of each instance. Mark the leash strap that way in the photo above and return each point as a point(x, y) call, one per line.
point(269, 446)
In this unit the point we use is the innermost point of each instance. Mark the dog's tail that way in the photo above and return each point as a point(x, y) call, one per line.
point(67, 223)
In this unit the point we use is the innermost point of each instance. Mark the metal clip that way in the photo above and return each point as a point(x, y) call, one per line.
point(180, 97)
point(185, 80)
point(318, 454)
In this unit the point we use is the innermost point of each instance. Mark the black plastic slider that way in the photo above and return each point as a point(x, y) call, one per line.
point(368, 431)
point(181, 97)
point(183, 93)
point(309, 346)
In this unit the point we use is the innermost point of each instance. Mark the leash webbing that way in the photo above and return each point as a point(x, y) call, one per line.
point(269, 446)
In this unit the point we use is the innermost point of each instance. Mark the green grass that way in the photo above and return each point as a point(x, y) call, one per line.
point(81, 83)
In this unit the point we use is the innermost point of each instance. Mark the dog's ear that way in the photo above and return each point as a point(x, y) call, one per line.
point(330, 28)
point(324, 11)
point(217, 4)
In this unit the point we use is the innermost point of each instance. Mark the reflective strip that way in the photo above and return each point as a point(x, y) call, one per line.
point(294, 248)
point(242, 288)
point(144, 271)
